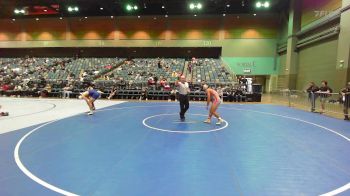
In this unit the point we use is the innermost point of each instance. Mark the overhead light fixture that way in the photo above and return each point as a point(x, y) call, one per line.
point(45, 10)
point(192, 6)
point(112, 17)
point(163, 7)
point(228, 5)
point(254, 14)
point(61, 18)
point(197, 6)
point(73, 9)
point(101, 8)
point(166, 16)
point(258, 4)
point(261, 4)
point(37, 19)
point(13, 19)
point(195, 15)
point(138, 16)
point(223, 14)
point(85, 17)
point(19, 11)
point(267, 4)
point(131, 7)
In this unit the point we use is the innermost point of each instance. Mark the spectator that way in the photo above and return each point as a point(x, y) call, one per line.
point(144, 94)
point(324, 93)
point(67, 90)
point(238, 95)
point(311, 95)
point(345, 92)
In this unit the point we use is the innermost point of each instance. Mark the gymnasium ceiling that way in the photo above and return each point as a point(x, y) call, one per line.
point(59, 8)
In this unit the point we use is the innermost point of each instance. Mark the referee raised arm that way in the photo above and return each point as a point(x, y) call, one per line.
point(183, 96)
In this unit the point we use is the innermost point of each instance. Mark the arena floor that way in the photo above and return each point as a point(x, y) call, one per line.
point(51, 147)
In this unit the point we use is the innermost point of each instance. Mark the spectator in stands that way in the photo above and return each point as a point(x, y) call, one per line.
point(345, 92)
point(144, 94)
point(189, 68)
point(67, 90)
point(324, 93)
point(173, 95)
point(244, 82)
point(159, 64)
point(5, 87)
point(311, 95)
point(174, 74)
point(238, 95)
point(138, 77)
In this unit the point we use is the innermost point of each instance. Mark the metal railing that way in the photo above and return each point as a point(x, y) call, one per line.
point(331, 103)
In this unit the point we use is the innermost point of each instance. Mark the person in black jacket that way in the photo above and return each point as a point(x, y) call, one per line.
point(311, 95)
point(345, 92)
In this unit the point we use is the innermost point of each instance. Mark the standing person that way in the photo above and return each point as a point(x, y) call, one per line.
point(324, 93)
point(345, 92)
point(90, 97)
point(213, 97)
point(183, 96)
point(311, 95)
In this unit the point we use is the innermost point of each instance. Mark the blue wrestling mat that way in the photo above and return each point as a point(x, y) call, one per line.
point(139, 149)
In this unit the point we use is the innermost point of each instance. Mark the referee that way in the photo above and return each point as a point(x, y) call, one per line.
point(183, 96)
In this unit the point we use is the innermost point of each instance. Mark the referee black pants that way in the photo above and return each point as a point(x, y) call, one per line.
point(184, 104)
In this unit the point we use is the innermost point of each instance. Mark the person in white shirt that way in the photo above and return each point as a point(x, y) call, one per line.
point(183, 88)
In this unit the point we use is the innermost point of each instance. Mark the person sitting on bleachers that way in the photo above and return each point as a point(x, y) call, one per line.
point(238, 95)
point(150, 81)
point(164, 84)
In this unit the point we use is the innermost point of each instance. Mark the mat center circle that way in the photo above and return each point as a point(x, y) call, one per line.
point(191, 125)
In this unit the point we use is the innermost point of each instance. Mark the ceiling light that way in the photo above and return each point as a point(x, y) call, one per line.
point(37, 19)
point(166, 16)
point(131, 7)
point(199, 6)
point(228, 5)
point(258, 4)
point(138, 16)
point(267, 4)
point(73, 9)
point(195, 15)
point(101, 8)
point(13, 19)
point(61, 18)
point(254, 14)
point(223, 14)
point(192, 6)
point(163, 6)
point(112, 17)
point(128, 7)
point(85, 17)
point(45, 10)
point(19, 11)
